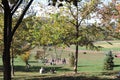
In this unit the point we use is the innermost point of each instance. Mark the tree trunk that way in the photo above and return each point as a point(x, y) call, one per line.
point(76, 59)
point(8, 34)
point(7, 40)
point(76, 52)
point(6, 63)
point(77, 35)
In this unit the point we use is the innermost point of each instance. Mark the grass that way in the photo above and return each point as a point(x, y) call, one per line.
point(107, 45)
point(114, 45)
point(89, 64)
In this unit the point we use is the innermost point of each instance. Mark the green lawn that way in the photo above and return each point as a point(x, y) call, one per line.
point(90, 63)
point(107, 45)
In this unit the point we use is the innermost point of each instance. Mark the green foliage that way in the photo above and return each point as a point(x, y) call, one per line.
point(56, 31)
point(24, 39)
point(72, 60)
point(108, 61)
point(88, 35)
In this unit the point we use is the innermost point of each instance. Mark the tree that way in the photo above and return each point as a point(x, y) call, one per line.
point(108, 61)
point(56, 32)
point(23, 40)
point(9, 8)
point(108, 14)
point(79, 11)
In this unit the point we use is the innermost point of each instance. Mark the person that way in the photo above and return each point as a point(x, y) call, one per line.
point(52, 70)
point(52, 62)
point(64, 61)
point(41, 70)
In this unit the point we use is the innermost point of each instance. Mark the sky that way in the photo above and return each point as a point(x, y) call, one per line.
point(42, 1)
point(45, 3)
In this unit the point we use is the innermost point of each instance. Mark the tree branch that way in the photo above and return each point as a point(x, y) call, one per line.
point(79, 23)
point(72, 13)
point(15, 6)
point(72, 23)
point(1, 6)
point(5, 4)
point(21, 17)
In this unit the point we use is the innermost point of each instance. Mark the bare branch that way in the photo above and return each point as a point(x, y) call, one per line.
point(6, 5)
point(15, 6)
point(79, 23)
point(21, 17)
point(72, 12)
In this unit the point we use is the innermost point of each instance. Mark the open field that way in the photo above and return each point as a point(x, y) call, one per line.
point(89, 65)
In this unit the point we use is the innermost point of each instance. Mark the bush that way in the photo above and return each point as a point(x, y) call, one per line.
point(25, 57)
point(108, 61)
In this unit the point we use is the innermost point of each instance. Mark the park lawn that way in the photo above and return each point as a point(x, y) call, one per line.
point(90, 63)
point(107, 45)
point(114, 45)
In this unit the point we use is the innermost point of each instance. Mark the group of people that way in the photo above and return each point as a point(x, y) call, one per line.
point(42, 70)
point(54, 61)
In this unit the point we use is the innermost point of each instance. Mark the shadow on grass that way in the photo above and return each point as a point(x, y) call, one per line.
point(85, 65)
point(116, 65)
point(110, 73)
point(69, 78)
point(37, 68)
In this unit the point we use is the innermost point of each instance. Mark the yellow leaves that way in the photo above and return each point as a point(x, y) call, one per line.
point(1, 37)
point(1, 20)
point(1, 26)
point(25, 56)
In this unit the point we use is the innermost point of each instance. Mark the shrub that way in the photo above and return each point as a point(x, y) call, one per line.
point(25, 57)
point(108, 61)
